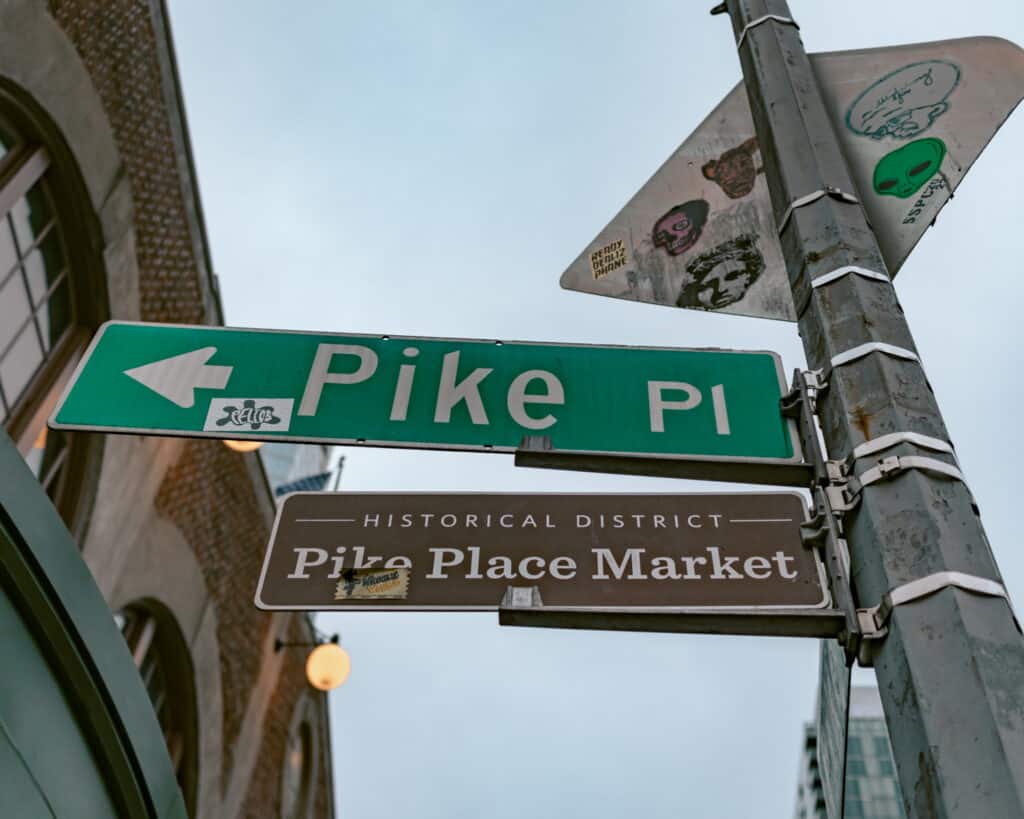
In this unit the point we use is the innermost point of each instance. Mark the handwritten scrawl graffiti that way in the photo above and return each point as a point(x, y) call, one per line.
point(734, 170)
point(935, 185)
point(904, 171)
point(679, 229)
point(722, 275)
point(906, 102)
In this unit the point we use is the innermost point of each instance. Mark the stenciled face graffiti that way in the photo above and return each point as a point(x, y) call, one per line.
point(904, 103)
point(722, 275)
point(679, 229)
point(734, 170)
point(904, 171)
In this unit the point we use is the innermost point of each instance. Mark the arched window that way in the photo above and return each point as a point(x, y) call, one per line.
point(296, 778)
point(301, 764)
point(165, 665)
point(50, 301)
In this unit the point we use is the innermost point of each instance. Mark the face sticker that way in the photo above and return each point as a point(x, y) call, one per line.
point(904, 103)
point(722, 275)
point(734, 170)
point(904, 171)
point(679, 229)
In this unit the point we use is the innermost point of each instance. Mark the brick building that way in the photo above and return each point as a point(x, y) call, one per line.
point(102, 220)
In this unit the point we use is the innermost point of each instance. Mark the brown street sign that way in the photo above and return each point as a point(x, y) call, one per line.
point(462, 552)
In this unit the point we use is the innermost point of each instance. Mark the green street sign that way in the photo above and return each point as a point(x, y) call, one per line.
point(220, 382)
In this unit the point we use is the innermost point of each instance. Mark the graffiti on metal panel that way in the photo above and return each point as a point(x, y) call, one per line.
point(648, 284)
point(679, 229)
point(608, 259)
point(906, 102)
point(721, 276)
point(904, 171)
point(734, 170)
point(935, 185)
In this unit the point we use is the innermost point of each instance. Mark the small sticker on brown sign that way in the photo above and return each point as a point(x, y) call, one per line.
point(370, 584)
point(608, 259)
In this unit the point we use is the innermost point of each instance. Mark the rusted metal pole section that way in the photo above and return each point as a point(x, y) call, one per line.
point(950, 665)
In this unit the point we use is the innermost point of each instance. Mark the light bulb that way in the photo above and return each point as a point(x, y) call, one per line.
point(242, 446)
point(328, 666)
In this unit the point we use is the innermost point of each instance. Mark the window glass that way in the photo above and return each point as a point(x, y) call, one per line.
point(14, 310)
point(31, 215)
point(8, 255)
point(43, 264)
point(19, 363)
point(161, 657)
point(35, 297)
point(46, 458)
point(54, 317)
point(40, 312)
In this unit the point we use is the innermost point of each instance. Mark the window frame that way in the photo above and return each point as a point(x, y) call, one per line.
point(38, 154)
point(164, 662)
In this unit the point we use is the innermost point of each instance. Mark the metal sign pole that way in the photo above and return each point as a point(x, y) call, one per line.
point(949, 657)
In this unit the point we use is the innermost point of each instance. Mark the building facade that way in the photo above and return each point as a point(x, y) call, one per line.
point(872, 790)
point(102, 220)
point(290, 467)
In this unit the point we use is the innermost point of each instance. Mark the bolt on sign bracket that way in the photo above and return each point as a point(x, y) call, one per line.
point(521, 597)
point(824, 530)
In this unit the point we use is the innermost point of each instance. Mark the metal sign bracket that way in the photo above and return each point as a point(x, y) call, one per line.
point(521, 597)
point(844, 489)
point(539, 451)
point(824, 530)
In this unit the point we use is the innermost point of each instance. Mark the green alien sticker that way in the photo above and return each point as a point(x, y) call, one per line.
point(902, 172)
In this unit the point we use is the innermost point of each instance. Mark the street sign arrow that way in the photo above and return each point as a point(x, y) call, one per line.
point(176, 378)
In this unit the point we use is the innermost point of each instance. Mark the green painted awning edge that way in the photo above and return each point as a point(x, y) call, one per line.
point(54, 585)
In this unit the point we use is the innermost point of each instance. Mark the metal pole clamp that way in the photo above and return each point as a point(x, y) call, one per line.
point(778, 18)
point(810, 198)
point(847, 270)
point(874, 621)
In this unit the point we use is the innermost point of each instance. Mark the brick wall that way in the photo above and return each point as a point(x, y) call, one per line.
point(264, 797)
point(116, 41)
point(208, 494)
point(209, 497)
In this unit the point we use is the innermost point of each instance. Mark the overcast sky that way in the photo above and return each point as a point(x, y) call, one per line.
point(430, 168)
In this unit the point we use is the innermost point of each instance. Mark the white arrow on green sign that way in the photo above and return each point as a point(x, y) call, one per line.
point(220, 382)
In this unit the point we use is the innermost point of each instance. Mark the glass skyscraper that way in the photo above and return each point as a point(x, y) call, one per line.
point(872, 791)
